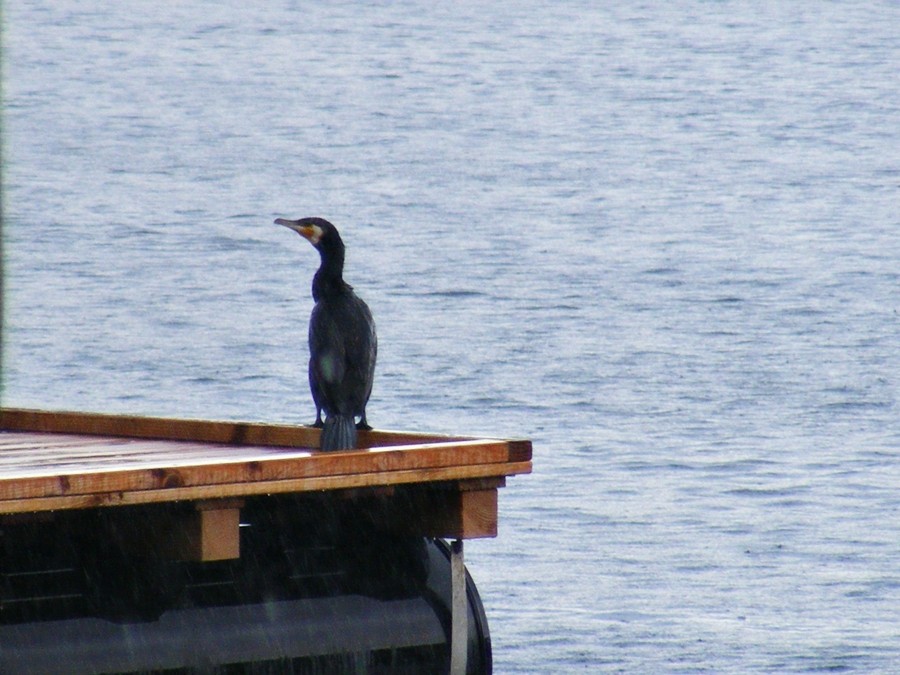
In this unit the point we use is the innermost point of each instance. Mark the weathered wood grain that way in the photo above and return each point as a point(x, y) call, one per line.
point(206, 431)
point(54, 461)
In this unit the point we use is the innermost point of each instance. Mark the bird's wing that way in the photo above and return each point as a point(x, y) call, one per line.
point(327, 358)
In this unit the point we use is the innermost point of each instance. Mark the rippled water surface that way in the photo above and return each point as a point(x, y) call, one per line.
point(659, 239)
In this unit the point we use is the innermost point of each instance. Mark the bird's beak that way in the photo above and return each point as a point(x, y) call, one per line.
point(306, 231)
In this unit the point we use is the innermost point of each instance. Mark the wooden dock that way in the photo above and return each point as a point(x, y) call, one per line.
point(116, 516)
point(427, 484)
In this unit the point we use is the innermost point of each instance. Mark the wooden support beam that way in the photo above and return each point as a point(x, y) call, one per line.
point(211, 531)
point(199, 532)
point(477, 515)
point(445, 511)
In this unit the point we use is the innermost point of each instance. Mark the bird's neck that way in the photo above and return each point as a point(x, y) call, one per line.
point(329, 280)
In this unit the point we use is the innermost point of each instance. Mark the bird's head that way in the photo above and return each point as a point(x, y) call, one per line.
point(317, 231)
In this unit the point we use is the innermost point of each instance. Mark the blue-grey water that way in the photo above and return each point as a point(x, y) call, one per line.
point(660, 239)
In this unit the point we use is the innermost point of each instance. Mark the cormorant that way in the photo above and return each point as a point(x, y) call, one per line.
point(342, 341)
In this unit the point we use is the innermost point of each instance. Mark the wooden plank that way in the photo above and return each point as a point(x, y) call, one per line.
point(99, 424)
point(64, 460)
point(339, 482)
point(45, 457)
point(33, 447)
point(379, 438)
point(194, 471)
point(113, 428)
point(206, 431)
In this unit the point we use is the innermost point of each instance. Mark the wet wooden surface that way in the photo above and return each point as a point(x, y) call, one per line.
point(57, 460)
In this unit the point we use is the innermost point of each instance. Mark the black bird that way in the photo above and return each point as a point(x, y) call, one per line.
point(342, 341)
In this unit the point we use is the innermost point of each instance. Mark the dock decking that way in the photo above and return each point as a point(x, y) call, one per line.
point(52, 462)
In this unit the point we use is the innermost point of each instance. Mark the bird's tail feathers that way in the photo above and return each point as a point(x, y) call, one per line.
point(339, 433)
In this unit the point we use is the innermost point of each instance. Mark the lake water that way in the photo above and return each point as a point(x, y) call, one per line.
point(659, 239)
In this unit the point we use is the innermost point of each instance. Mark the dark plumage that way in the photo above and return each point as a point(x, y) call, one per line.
point(342, 341)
